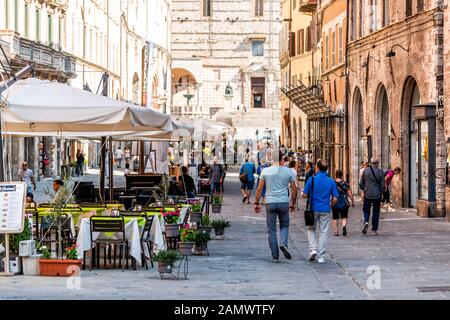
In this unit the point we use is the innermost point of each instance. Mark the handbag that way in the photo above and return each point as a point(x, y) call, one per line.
point(382, 186)
point(309, 213)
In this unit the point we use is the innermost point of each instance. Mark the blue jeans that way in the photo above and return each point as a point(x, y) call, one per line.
point(280, 210)
point(375, 203)
point(215, 187)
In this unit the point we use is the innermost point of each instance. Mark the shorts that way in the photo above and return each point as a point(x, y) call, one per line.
point(248, 185)
point(340, 213)
point(386, 197)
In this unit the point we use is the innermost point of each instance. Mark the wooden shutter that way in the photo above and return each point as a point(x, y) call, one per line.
point(291, 44)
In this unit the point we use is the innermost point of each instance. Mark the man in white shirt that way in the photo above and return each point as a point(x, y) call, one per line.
point(25, 174)
point(119, 156)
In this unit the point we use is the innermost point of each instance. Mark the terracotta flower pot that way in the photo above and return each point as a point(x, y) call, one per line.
point(172, 230)
point(195, 217)
point(186, 248)
point(164, 268)
point(61, 268)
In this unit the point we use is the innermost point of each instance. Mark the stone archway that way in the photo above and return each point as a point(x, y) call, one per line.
point(356, 137)
point(383, 118)
point(409, 145)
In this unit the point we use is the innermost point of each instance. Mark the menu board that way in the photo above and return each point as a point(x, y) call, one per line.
point(12, 206)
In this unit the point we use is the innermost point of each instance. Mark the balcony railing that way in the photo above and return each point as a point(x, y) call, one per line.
point(23, 51)
point(308, 6)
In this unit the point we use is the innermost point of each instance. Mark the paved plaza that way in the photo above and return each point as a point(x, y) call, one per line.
point(409, 259)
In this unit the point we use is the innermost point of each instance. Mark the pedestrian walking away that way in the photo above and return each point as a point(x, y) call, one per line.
point(119, 156)
point(340, 209)
point(320, 189)
point(277, 179)
point(216, 175)
point(247, 170)
point(372, 184)
point(265, 163)
point(26, 175)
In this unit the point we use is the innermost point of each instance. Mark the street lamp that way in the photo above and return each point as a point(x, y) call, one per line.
point(391, 53)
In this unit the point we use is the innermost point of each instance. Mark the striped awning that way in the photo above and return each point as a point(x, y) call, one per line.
point(306, 100)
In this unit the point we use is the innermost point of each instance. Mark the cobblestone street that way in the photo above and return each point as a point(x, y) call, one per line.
point(410, 253)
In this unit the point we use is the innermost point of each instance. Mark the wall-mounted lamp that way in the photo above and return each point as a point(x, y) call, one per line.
point(366, 62)
point(391, 53)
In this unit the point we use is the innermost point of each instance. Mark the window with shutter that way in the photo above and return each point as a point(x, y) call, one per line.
point(420, 5)
point(341, 44)
point(259, 8)
point(302, 41)
point(206, 8)
point(333, 49)
point(291, 44)
point(408, 8)
point(308, 39)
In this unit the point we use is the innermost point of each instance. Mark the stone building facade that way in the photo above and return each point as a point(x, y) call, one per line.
point(296, 62)
point(226, 62)
point(395, 65)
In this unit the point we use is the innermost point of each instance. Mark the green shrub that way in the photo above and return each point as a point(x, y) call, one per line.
point(201, 237)
point(220, 224)
point(168, 257)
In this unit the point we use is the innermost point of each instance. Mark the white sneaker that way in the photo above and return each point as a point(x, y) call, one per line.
point(312, 255)
point(321, 260)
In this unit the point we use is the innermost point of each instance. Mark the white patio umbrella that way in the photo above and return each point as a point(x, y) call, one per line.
point(41, 107)
point(205, 129)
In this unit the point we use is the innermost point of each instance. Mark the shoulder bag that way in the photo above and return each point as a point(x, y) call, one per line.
point(309, 213)
point(382, 186)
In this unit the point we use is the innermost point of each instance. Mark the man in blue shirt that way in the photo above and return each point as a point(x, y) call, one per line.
point(324, 196)
point(276, 179)
point(249, 169)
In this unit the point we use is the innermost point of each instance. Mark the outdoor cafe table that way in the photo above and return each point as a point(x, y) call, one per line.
point(133, 230)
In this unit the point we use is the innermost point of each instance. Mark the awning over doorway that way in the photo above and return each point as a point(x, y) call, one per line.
point(305, 99)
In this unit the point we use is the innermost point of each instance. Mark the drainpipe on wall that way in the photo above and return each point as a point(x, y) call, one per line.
point(347, 85)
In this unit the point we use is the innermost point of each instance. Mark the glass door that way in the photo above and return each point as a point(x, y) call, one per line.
point(423, 159)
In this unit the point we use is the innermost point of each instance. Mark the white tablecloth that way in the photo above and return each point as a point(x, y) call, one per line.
point(132, 234)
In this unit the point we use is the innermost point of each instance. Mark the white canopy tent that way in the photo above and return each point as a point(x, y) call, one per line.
point(205, 129)
point(41, 107)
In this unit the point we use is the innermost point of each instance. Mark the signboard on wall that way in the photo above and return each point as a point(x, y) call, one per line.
point(12, 206)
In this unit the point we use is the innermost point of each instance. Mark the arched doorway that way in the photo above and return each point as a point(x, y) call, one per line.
point(300, 133)
point(294, 135)
point(136, 88)
point(384, 118)
point(185, 91)
point(411, 97)
point(357, 137)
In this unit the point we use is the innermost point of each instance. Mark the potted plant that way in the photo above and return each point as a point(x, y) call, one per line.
point(219, 227)
point(172, 227)
point(14, 244)
point(166, 260)
point(201, 243)
point(196, 212)
point(60, 267)
point(216, 203)
point(206, 225)
point(186, 245)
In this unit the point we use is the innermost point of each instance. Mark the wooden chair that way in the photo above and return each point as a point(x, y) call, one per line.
point(115, 225)
point(93, 205)
point(145, 240)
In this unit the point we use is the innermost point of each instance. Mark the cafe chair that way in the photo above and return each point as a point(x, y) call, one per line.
point(129, 213)
point(115, 225)
point(92, 205)
point(146, 240)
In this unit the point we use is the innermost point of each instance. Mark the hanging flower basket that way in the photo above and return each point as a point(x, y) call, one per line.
point(186, 248)
point(206, 229)
point(59, 268)
point(165, 268)
point(219, 232)
point(195, 217)
point(216, 208)
point(172, 230)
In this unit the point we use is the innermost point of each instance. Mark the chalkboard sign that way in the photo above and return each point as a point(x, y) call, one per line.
point(12, 206)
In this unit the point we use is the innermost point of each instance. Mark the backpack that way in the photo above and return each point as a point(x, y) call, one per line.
point(342, 202)
point(243, 176)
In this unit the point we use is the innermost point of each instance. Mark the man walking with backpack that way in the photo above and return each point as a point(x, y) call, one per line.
point(373, 185)
point(246, 175)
